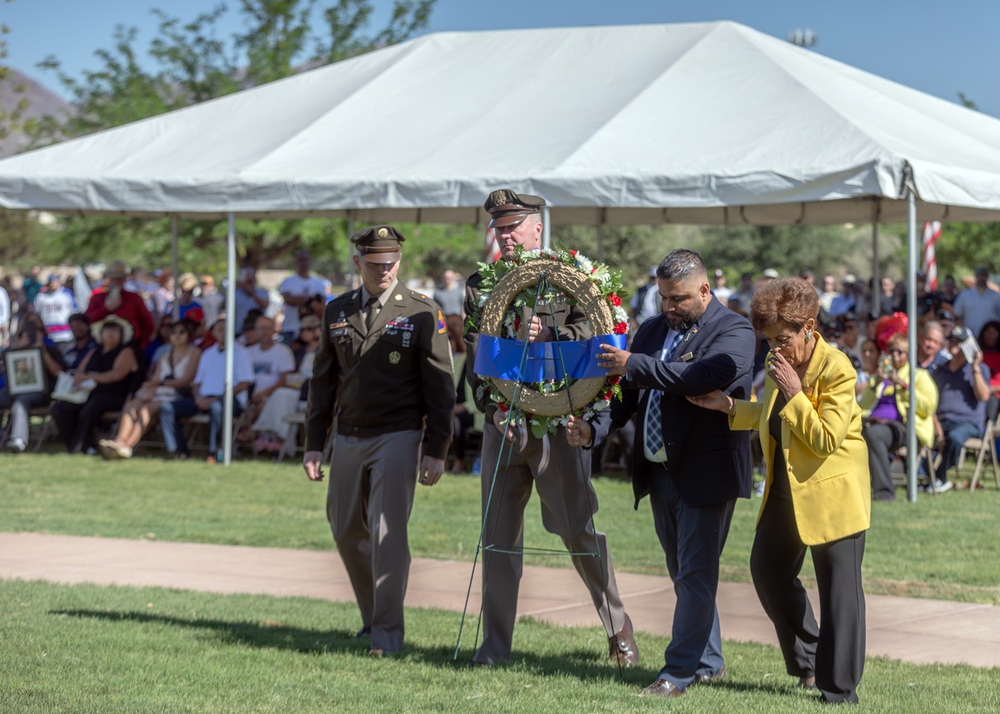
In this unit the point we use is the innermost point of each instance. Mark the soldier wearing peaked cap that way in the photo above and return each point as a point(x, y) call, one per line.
point(383, 369)
point(567, 497)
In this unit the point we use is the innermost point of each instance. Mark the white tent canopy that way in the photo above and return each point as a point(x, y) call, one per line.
point(702, 123)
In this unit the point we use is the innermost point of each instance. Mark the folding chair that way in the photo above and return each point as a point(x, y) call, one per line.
point(987, 442)
point(927, 456)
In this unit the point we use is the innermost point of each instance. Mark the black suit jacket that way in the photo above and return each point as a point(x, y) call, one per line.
point(708, 462)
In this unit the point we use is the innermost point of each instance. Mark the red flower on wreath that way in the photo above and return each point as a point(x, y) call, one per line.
point(621, 328)
point(615, 379)
point(615, 300)
point(504, 407)
point(517, 324)
point(573, 253)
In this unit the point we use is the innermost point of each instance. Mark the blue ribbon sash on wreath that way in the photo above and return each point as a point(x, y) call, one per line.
point(501, 358)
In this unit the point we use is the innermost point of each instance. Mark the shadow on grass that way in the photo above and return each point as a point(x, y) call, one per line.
point(585, 665)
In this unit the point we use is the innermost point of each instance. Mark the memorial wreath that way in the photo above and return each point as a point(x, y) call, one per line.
point(565, 380)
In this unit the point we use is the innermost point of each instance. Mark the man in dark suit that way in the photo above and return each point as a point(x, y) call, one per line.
point(688, 462)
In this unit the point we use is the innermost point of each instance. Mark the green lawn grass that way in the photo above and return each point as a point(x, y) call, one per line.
point(941, 547)
point(116, 649)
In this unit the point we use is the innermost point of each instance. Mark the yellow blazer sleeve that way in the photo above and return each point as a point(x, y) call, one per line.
point(746, 415)
point(926, 393)
point(821, 421)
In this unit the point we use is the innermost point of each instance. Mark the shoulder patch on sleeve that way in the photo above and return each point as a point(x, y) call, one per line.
point(442, 326)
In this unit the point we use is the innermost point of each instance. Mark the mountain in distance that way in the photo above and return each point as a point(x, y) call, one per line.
point(42, 101)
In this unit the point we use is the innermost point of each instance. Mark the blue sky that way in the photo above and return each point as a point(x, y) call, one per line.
point(938, 48)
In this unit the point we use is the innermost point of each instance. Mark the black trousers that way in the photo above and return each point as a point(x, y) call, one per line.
point(834, 652)
point(883, 439)
point(76, 422)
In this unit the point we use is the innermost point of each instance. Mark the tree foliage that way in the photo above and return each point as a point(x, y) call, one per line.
point(188, 61)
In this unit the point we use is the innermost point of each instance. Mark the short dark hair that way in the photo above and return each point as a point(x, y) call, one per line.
point(681, 263)
point(79, 317)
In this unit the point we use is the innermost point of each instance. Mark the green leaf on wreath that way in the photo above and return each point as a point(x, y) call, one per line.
point(541, 428)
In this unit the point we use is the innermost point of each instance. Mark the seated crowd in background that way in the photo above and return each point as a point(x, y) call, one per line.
point(276, 369)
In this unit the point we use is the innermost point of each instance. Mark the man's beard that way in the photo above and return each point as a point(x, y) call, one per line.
point(682, 324)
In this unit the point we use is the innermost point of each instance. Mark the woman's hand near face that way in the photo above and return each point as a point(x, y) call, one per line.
point(783, 374)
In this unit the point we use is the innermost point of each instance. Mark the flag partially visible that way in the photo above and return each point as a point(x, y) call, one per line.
point(492, 247)
point(932, 232)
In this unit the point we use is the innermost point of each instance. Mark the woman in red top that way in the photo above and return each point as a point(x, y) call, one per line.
point(989, 343)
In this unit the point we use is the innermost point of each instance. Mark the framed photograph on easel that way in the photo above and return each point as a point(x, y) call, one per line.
point(25, 371)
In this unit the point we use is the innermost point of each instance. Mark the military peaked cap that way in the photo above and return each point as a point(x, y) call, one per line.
point(379, 244)
point(509, 209)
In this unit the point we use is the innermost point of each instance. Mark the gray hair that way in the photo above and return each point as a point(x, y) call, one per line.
point(931, 325)
point(681, 264)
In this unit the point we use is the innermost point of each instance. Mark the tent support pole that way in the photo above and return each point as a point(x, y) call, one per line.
point(350, 259)
point(546, 231)
point(912, 450)
point(875, 309)
point(600, 242)
point(173, 265)
point(227, 418)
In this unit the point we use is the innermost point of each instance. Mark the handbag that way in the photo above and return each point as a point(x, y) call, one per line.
point(64, 390)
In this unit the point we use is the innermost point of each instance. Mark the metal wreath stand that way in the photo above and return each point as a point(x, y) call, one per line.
point(537, 273)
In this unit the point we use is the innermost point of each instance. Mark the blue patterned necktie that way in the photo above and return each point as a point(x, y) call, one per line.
point(654, 418)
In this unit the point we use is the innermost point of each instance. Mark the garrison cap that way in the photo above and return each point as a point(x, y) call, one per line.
point(379, 244)
point(509, 209)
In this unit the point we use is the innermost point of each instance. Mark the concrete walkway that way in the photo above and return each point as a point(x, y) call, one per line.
point(912, 630)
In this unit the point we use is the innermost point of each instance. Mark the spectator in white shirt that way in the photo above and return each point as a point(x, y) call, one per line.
point(296, 290)
point(270, 361)
point(54, 305)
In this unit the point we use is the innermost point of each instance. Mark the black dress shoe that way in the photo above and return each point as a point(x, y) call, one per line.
point(622, 647)
point(709, 678)
point(806, 683)
point(662, 688)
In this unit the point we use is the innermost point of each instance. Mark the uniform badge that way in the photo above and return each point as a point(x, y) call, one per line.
point(398, 297)
point(383, 232)
point(499, 198)
point(442, 325)
point(406, 338)
point(394, 357)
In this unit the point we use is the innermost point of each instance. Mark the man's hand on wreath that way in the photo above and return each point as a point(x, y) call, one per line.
point(579, 432)
point(537, 332)
point(499, 420)
point(613, 359)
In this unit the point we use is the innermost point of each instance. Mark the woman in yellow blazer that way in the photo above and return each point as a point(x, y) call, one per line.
point(886, 401)
point(817, 491)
